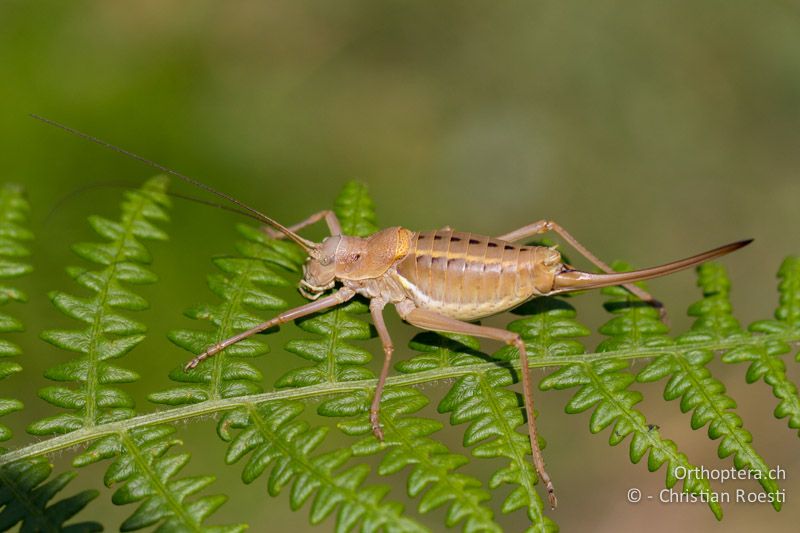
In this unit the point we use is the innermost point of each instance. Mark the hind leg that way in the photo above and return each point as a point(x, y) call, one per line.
point(430, 320)
point(543, 226)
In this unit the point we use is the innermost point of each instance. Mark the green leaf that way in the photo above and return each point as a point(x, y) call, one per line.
point(243, 288)
point(493, 413)
point(147, 471)
point(26, 498)
point(765, 358)
point(271, 436)
point(14, 210)
point(108, 334)
point(408, 442)
point(356, 210)
point(603, 385)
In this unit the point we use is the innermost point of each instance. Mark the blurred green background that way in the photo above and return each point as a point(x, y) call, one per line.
point(651, 130)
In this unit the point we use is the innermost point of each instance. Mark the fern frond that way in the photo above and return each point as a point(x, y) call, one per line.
point(265, 430)
point(493, 413)
point(14, 210)
point(604, 385)
point(243, 288)
point(765, 358)
point(141, 463)
point(334, 358)
point(692, 382)
point(407, 441)
point(271, 436)
point(108, 334)
point(355, 210)
point(337, 360)
point(139, 454)
point(25, 496)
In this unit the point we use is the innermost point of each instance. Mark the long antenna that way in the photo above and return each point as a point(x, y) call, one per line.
point(306, 244)
point(124, 185)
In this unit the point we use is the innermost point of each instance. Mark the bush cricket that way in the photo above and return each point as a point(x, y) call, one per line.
point(436, 280)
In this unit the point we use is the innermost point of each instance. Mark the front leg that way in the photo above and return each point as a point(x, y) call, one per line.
point(330, 219)
point(342, 295)
point(430, 320)
point(376, 306)
point(543, 226)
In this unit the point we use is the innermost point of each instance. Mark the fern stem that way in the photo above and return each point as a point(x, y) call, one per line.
point(403, 524)
point(520, 461)
point(332, 346)
point(651, 434)
point(226, 330)
point(442, 473)
point(732, 431)
point(91, 413)
point(155, 481)
point(439, 374)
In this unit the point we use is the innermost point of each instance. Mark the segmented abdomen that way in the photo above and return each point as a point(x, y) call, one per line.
point(468, 276)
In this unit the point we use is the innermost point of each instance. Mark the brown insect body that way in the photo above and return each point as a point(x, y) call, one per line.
point(464, 276)
point(460, 275)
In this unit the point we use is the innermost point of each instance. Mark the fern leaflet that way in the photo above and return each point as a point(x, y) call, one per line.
point(242, 287)
point(270, 434)
point(109, 335)
point(692, 382)
point(765, 358)
point(493, 413)
point(140, 462)
point(13, 235)
point(24, 497)
point(604, 385)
